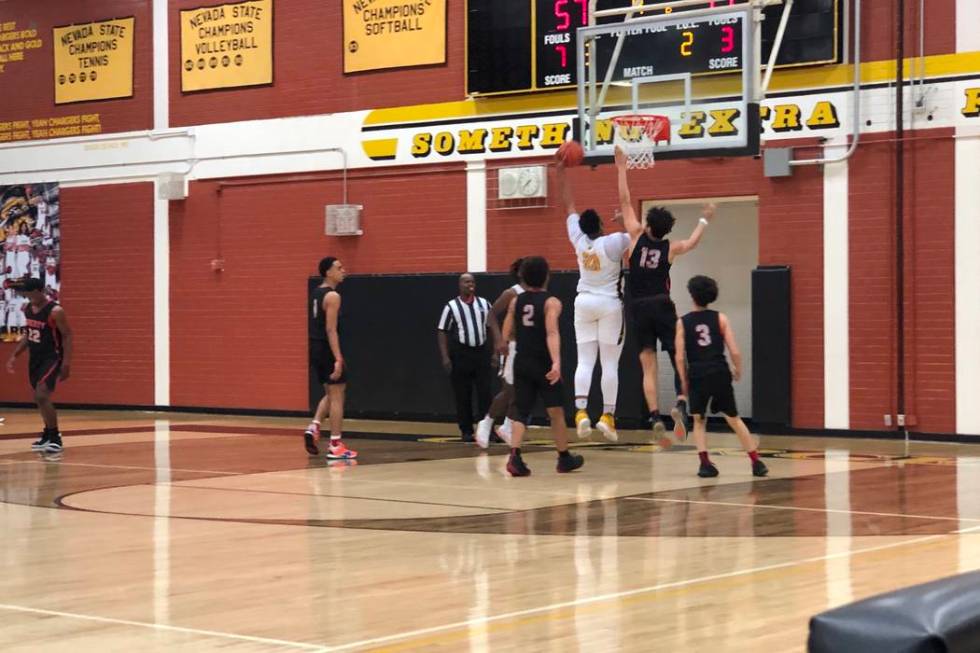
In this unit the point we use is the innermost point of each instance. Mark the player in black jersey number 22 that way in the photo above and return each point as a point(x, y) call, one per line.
point(532, 320)
point(48, 339)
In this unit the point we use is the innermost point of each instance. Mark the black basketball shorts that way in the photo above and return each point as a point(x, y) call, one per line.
point(714, 387)
point(530, 384)
point(655, 319)
point(322, 363)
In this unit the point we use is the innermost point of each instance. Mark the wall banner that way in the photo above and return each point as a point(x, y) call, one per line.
point(93, 61)
point(393, 34)
point(226, 46)
point(30, 233)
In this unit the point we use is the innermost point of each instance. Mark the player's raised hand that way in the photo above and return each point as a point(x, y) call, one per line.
point(708, 211)
point(620, 157)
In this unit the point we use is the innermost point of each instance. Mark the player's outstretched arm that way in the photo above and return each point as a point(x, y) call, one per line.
point(499, 344)
point(331, 305)
point(509, 320)
point(729, 335)
point(565, 188)
point(552, 310)
point(633, 226)
point(681, 247)
point(680, 357)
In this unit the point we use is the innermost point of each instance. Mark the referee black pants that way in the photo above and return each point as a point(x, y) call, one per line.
point(471, 370)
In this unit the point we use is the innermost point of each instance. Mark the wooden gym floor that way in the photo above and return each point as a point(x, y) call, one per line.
point(194, 532)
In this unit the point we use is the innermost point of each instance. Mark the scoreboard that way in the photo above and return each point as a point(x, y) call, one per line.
point(516, 46)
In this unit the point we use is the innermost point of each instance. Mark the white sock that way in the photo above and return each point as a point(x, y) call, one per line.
point(580, 404)
point(609, 410)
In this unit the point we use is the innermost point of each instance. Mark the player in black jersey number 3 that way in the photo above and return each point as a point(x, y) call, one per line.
point(532, 320)
point(49, 343)
point(702, 336)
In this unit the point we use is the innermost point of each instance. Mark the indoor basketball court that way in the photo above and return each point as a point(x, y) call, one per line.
point(223, 223)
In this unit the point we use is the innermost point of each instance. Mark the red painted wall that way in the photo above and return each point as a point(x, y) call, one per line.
point(880, 27)
point(238, 337)
point(308, 71)
point(29, 85)
point(107, 292)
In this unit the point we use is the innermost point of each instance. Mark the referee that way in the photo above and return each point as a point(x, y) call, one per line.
point(462, 334)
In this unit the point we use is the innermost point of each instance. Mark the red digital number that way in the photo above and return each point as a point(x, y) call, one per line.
point(565, 18)
point(562, 15)
point(713, 3)
point(727, 39)
point(563, 50)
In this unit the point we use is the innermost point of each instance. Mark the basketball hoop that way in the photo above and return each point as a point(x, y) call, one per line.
point(638, 135)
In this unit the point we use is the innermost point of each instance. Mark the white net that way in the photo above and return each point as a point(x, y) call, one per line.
point(637, 135)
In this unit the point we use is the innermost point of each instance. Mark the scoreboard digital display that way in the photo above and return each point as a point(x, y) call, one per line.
point(530, 45)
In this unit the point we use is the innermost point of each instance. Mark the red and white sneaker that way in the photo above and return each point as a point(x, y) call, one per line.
point(310, 437)
point(339, 451)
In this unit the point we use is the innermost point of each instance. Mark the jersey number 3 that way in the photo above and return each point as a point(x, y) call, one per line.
point(528, 317)
point(704, 334)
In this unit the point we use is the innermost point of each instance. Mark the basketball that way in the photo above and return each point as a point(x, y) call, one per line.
point(571, 153)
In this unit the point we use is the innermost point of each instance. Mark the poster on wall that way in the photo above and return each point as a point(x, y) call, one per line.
point(226, 46)
point(393, 34)
point(30, 225)
point(93, 61)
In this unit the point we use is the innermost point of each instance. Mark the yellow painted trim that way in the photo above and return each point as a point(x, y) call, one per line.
point(783, 80)
point(382, 148)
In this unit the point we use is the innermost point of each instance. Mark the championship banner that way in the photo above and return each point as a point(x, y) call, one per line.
point(30, 234)
point(93, 61)
point(226, 46)
point(393, 34)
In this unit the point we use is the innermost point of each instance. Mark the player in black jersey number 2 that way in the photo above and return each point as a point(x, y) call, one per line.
point(48, 339)
point(702, 336)
point(532, 320)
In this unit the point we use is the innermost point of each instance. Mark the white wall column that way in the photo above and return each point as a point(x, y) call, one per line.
point(967, 283)
point(476, 216)
point(161, 210)
point(161, 65)
point(836, 294)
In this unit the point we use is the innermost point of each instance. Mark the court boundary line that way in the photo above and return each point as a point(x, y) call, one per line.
point(802, 508)
point(480, 621)
point(165, 627)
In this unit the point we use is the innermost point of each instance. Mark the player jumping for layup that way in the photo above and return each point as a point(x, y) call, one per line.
point(532, 320)
point(654, 314)
point(327, 361)
point(598, 309)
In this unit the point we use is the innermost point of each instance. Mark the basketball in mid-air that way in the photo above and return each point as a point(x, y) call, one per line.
point(571, 153)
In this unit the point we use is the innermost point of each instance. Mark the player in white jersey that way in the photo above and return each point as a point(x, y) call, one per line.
point(51, 283)
point(598, 309)
point(22, 265)
point(503, 404)
point(10, 254)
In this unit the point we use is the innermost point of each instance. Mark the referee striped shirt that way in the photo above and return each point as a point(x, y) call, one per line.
point(467, 319)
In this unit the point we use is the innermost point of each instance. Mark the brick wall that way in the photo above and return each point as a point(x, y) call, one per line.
point(308, 71)
point(29, 84)
point(930, 278)
point(880, 23)
point(239, 336)
point(107, 292)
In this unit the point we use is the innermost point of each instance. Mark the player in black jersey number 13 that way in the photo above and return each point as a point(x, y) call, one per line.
point(48, 340)
point(702, 336)
point(532, 321)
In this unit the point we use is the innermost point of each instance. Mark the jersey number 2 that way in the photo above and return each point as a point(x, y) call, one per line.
point(704, 334)
point(34, 335)
point(528, 318)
